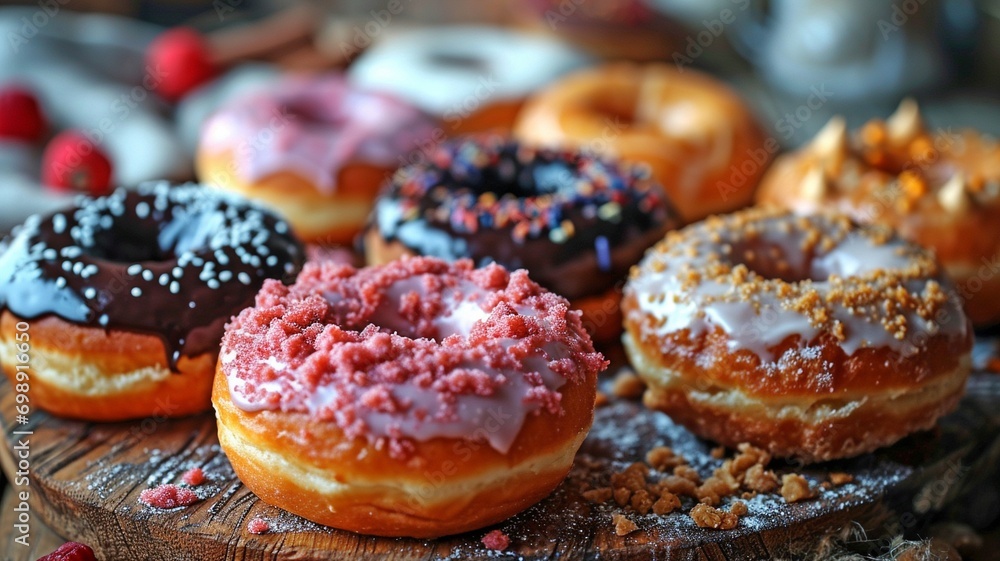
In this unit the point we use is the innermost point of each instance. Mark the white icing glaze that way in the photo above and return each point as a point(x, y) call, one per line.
point(454, 70)
point(764, 319)
point(313, 127)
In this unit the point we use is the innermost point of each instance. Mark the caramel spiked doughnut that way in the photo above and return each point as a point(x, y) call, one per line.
point(940, 189)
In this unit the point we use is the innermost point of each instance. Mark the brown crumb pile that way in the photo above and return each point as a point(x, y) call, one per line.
point(658, 484)
point(710, 517)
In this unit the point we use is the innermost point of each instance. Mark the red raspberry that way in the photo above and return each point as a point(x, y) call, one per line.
point(20, 114)
point(71, 551)
point(180, 58)
point(72, 162)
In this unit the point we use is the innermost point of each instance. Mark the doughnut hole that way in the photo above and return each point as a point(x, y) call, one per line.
point(458, 62)
point(771, 261)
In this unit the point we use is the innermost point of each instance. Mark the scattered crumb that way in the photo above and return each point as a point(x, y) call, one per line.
point(622, 496)
point(739, 508)
point(663, 458)
point(760, 480)
point(258, 526)
point(642, 501)
point(496, 540)
point(679, 486)
point(623, 526)
point(627, 384)
point(839, 478)
point(599, 495)
point(719, 452)
point(193, 477)
point(795, 488)
point(643, 488)
point(667, 503)
point(687, 472)
point(710, 517)
point(601, 399)
point(168, 496)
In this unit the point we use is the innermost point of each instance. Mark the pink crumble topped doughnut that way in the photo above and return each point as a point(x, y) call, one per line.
point(420, 398)
point(314, 149)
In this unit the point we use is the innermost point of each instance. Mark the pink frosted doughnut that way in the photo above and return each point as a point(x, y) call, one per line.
point(338, 394)
point(314, 148)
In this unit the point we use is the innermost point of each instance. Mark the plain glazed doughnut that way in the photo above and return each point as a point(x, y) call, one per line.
point(690, 129)
point(421, 398)
point(808, 336)
point(472, 78)
point(575, 222)
point(939, 189)
point(122, 299)
point(314, 149)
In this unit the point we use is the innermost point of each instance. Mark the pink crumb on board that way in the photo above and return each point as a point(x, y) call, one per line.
point(258, 526)
point(168, 496)
point(496, 540)
point(193, 477)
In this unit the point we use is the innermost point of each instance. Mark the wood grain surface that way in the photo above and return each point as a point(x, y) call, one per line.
point(85, 480)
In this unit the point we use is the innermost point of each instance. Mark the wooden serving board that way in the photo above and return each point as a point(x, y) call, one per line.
point(85, 481)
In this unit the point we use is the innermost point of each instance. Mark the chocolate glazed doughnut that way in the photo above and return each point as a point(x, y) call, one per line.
point(575, 222)
point(126, 296)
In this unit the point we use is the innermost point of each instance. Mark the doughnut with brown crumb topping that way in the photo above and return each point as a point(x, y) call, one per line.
point(810, 337)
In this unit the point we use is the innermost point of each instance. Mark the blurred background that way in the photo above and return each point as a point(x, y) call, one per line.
point(796, 62)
